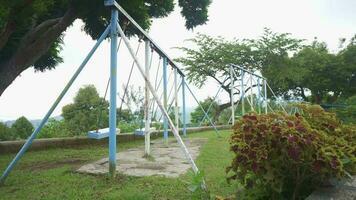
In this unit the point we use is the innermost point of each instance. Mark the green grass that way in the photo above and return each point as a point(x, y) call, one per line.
point(50, 175)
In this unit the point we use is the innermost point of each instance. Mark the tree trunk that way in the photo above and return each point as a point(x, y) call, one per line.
point(34, 44)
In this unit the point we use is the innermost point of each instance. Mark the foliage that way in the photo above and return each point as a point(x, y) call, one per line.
point(197, 115)
point(53, 129)
point(345, 110)
point(127, 127)
point(212, 57)
point(87, 112)
point(5, 132)
point(22, 128)
point(280, 156)
point(125, 115)
point(31, 32)
point(293, 70)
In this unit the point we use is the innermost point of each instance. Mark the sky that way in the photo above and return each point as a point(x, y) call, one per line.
point(32, 93)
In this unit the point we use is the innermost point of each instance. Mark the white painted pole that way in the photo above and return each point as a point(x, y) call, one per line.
point(232, 84)
point(176, 98)
point(159, 103)
point(265, 99)
point(251, 92)
point(259, 95)
point(242, 92)
point(147, 100)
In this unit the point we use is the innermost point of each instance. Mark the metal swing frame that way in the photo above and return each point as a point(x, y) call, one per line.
point(114, 30)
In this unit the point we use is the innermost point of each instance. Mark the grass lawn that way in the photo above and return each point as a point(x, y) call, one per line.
point(50, 175)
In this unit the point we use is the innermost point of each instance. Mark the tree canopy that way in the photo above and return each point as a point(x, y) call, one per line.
point(5, 132)
point(22, 128)
point(294, 69)
point(88, 111)
point(31, 31)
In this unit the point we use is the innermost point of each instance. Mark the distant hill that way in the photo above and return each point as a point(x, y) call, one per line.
point(34, 122)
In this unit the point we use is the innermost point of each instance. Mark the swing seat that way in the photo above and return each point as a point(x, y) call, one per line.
point(101, 133)
point(141, 131)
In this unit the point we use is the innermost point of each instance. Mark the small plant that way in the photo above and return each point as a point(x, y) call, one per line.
point(280, 156)
point(197, 186)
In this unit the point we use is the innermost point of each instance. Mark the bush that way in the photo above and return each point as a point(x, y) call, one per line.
point(347, 113)
point(22, 128)
point(53, 129)
point(280, 156)
point(126, 127)
point(5, 132)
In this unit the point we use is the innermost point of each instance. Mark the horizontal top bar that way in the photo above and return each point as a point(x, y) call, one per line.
point(248, 71)
point(145, 34)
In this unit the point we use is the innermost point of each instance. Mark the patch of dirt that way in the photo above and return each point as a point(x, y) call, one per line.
point(74, 163)
point(165, 160)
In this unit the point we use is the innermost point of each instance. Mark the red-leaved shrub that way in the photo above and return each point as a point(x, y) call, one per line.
point(281, 156)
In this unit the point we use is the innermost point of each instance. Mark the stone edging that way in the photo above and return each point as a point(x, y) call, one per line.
point(42, 144)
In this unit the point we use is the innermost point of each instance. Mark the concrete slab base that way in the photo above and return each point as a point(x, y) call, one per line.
point(165, 160)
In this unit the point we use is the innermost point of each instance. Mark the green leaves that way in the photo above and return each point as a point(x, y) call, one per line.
point(31, 31)
point(195, 12)
point(83, 115)
point(22, 128)
point(293, 70)
point(5, 132)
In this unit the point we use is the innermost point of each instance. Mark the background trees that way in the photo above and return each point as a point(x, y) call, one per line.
point(22, 128)
point(88, 111)
point(5, 132)
point(294, 70)
point(31, 31)
point(197, 115)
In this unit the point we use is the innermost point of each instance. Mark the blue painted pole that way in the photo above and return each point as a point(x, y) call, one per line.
point(165, 85)
point(50, 111)
point(113, 91)
point(184, 108)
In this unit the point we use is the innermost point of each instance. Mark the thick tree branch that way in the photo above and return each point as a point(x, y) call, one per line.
point(10, 26)
point(32, 35)
point(6, 33)
point(32, 49)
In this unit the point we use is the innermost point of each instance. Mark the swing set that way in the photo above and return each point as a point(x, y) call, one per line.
point(156, 108)
point(157, 104)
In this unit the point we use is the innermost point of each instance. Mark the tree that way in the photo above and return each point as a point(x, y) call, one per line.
point(309, 72)
point(88, 111)
point(348, 72)
point(213, 56)
point(5, 132)
point(22, 128)
point(212, 59)
point(197, 115)
point(31, 31)
point(293, 69)
point(317, 75)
